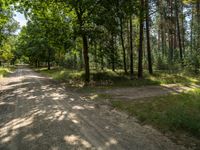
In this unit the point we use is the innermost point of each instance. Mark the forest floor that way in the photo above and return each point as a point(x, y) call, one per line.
point(37, 113)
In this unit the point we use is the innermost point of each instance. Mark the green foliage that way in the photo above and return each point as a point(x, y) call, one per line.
point(7, 50)
point(193, 62)
point(5, 70)
point(55, 30)
point(161, 64)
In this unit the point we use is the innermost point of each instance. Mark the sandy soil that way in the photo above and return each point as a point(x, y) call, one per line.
point(38, 114)
point(134, 93)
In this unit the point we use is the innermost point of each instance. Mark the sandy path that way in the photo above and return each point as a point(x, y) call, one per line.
point(132, 93)
point(37, 114)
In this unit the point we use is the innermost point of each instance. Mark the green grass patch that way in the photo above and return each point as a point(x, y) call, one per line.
point(5, 70)
point(174, 78)
point(109, 78)
point(72, 77)
point(168, 113)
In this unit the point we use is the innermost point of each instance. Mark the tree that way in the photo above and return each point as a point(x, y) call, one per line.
point(148, 38)
point(140, 50)
point(178, 31)
point(83, 10)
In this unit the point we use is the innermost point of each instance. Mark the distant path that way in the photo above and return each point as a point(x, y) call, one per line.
point(132, 93)
point(37, 114)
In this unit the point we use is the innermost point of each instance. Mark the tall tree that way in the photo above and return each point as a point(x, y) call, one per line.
point(148, 38)
point(131, 48)
point(123, 46)
point(140, 49)
point(83, 10)
point(178, 31)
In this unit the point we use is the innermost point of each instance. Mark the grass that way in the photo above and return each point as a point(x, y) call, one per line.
point(174, 78)
point(172, 113)
point(109, 78)
point(4, 71)
point(72, 77)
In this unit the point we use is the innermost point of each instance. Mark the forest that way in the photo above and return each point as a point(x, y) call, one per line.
point(127, 35)
point(100, 74)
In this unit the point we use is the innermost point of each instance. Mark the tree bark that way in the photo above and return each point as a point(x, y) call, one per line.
point(197, 22)
point(102, 64)
point(148, 39)
point(179, 33)
point(123, 47)
point(191, 32)
point(49, 60)
point(131, 49)
point(183, 28)
point(140, 50)
point(112, 52)
point(86, 58)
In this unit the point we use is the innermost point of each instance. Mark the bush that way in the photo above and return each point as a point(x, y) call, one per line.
point(192, 62)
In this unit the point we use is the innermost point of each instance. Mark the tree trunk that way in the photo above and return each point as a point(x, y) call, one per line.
point(101, 56)
point(183, 28)
point(148, 39)
point(49, 59)
point(86, 58)
point(95, 54)
point(191, 33)
point(81, 59)
point(123, 47)
point(102, 64)
point(197, 22)
point(131, 49)
point(112, 53)
point(179, 33)
point(140, 50)
point(171, 36)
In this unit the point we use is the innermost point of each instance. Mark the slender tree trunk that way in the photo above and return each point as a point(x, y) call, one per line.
point(102, 64)
point(179, 33)
point(131, 49)
point(123, 47)
point(140, 50)
point(128, 42)
point(101, 56)
point(159, 51)
point(158, 42)
point(113, 52)
point(95, 54)
point(86, 58)
point(197, 22)
point(36, 64)
point(171, 36)
point(191, 32)
point(81, 59)
point(171, 48)
point(163, 41)
point(148, 39)
point(183, 28)
point(49, 59)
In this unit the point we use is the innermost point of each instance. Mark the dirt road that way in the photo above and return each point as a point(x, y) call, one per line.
point(135, 93)
point(38, 114)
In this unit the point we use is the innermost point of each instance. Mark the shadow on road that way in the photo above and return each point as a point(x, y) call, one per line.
point(37, 114)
